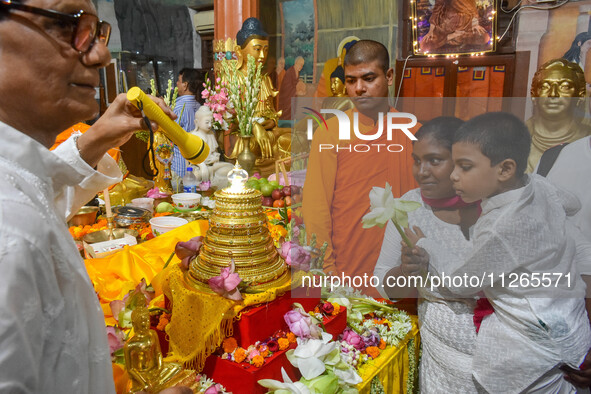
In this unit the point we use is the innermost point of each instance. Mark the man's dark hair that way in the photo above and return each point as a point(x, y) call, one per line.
point(500, 136)
point(367, 51)
point(194, 78)
point(441, 129)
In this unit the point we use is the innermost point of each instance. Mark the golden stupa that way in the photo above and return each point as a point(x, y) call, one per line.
point(237, 230)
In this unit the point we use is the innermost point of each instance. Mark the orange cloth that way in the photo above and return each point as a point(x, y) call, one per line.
point(336, 194)
point(81, 127)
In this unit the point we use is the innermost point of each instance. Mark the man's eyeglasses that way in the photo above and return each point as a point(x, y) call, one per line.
point(88, 27)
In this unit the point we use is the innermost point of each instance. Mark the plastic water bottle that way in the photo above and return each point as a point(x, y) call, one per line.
point(189, 181)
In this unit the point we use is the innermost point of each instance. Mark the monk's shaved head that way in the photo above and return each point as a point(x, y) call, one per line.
point(367, 51)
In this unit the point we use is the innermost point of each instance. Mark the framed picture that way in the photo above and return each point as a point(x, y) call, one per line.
point(298, 24)
point(453, 27)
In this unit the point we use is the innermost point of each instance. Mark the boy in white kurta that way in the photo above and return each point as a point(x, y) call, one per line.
point(524, 257)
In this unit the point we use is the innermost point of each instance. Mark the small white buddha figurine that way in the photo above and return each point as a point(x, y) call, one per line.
point(211, 169)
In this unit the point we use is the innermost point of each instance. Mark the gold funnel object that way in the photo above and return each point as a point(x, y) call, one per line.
point(237, 230)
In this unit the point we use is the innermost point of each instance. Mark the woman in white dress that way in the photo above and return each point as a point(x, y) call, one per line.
point(447, 328)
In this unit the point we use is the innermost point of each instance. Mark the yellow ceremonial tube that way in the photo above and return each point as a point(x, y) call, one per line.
point(193, 148)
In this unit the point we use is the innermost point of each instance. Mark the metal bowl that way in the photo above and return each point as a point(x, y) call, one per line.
point(85, 216)
point(126, 216)
point(103, 235)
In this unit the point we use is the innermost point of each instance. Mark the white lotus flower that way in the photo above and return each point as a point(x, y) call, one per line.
point(384, 207)
point(285, 387)
point(310, 356)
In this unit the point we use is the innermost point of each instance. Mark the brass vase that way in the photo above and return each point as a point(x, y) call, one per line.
point(246, 158)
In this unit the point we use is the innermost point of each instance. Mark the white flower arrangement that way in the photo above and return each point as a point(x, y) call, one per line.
point(243, 92)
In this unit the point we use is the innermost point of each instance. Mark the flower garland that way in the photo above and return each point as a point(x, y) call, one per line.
point(78, 232)
point(412, 366)
point(257, 353)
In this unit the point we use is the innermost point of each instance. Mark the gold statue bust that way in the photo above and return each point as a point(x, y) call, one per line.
point(339, 99)
point(558, 93)
point(268, 141)
point(143, 358)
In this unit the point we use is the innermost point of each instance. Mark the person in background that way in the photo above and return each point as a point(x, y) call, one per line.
point(338, 183)
point(52, 336)
point(287, 90)
point(188, 84)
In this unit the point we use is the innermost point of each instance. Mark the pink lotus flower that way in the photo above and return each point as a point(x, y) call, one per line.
point(156, 193)
point(300, 323)
point(226, 284)
point(214, 389)
point(185, 251)
point(353, 339)
point(295, 256)
point(116, 307)
point(116, 338)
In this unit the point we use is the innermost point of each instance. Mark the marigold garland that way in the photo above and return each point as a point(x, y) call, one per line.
point(283, 343)
point(291, 337)
point(163, 321)
point(239, 355)
point(372, 351)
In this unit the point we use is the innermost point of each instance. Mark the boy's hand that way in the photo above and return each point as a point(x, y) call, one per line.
point(415, 261)
point(414, 236)
point(581, 377)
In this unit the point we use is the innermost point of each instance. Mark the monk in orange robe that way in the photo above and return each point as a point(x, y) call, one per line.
point(338, 182)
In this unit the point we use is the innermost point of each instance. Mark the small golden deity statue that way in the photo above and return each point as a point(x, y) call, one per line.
point(163, 151)
point(558, 93)
point(143, 358)
point(339, 99)
point(269, 142)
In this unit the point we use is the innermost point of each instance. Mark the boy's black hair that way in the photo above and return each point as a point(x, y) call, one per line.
point(194, 78)
point(441, 129)
point(500, 136)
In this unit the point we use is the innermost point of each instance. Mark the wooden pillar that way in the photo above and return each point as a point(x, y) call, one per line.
point(229, 15)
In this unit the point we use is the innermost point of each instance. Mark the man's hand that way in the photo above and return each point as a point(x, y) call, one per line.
point(115, 128)
point(582, 377)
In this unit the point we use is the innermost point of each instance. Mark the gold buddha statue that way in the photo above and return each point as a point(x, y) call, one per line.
point(143, 358)
point(339, 99)
point(269, 142)
point(558, 93)
point(163, 152)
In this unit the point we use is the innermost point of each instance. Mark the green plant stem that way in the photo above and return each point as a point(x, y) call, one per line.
point(404, 237)
point(168, 261)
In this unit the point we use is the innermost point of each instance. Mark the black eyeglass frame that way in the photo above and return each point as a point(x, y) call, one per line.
point(74, 19)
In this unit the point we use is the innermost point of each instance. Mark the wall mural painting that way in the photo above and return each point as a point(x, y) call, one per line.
point(447, 27)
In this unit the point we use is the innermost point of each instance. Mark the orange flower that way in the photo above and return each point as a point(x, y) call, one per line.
point(229, 345)
point(337, 308)
point(382, 344)
point(291, 337)
point(163, 322)
point(283, 343)
point(258, 361)
point(372, 351)
point(264, 353)
point(239, 355)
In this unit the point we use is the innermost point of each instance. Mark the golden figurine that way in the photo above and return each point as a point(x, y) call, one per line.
point(339, 99)
point(143, 358)
point(269, 142)
point(558, 93)
point(163, 151)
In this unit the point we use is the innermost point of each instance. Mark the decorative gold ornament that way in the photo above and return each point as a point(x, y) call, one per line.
point(238, 231)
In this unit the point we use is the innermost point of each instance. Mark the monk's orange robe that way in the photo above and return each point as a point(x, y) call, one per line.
point(81, 127)
point(336, 194)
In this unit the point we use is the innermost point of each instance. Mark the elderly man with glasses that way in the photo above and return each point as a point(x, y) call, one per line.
point(52, 331)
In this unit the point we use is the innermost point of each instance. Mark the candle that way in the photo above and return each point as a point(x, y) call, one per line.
point(107, 199)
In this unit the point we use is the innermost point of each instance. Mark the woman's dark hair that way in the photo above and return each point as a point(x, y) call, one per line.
point(441, 129)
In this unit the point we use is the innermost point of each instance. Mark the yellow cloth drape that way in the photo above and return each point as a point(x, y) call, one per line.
point(117, 274)
point(392, 367)
point(202, 320)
